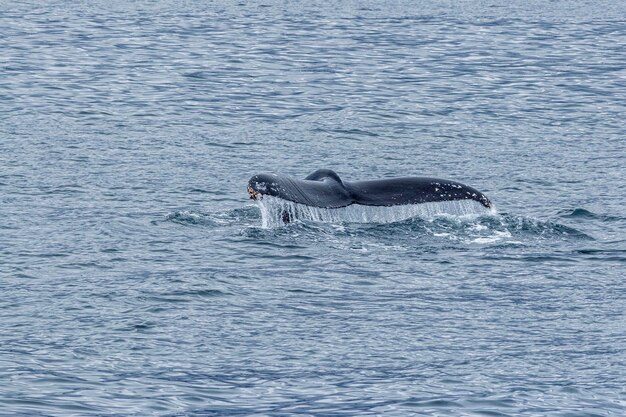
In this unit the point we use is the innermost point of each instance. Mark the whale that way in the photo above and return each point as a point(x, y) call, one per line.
point(325, 189)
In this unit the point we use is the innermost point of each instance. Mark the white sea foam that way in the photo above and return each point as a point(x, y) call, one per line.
point(275, 210)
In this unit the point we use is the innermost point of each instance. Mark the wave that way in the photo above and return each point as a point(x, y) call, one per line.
point(584, 214)
point(235, 216)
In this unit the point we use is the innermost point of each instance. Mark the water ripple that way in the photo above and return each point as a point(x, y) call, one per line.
point(136, 279)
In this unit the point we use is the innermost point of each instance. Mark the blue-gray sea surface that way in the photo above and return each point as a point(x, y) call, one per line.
point(135, 276)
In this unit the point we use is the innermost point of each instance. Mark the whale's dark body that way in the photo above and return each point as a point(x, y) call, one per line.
point(324, 188)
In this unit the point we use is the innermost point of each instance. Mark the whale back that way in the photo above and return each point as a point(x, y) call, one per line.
point(412, 190)
point(324, 188)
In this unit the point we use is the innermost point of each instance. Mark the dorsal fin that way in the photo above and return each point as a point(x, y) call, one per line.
point(320, 174)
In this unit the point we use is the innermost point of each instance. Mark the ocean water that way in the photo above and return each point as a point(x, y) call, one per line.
point(137, 278)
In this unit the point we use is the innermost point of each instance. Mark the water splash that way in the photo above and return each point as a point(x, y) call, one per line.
point(276, 212)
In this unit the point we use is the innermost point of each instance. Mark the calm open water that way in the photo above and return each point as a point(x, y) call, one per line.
point(135, 276)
